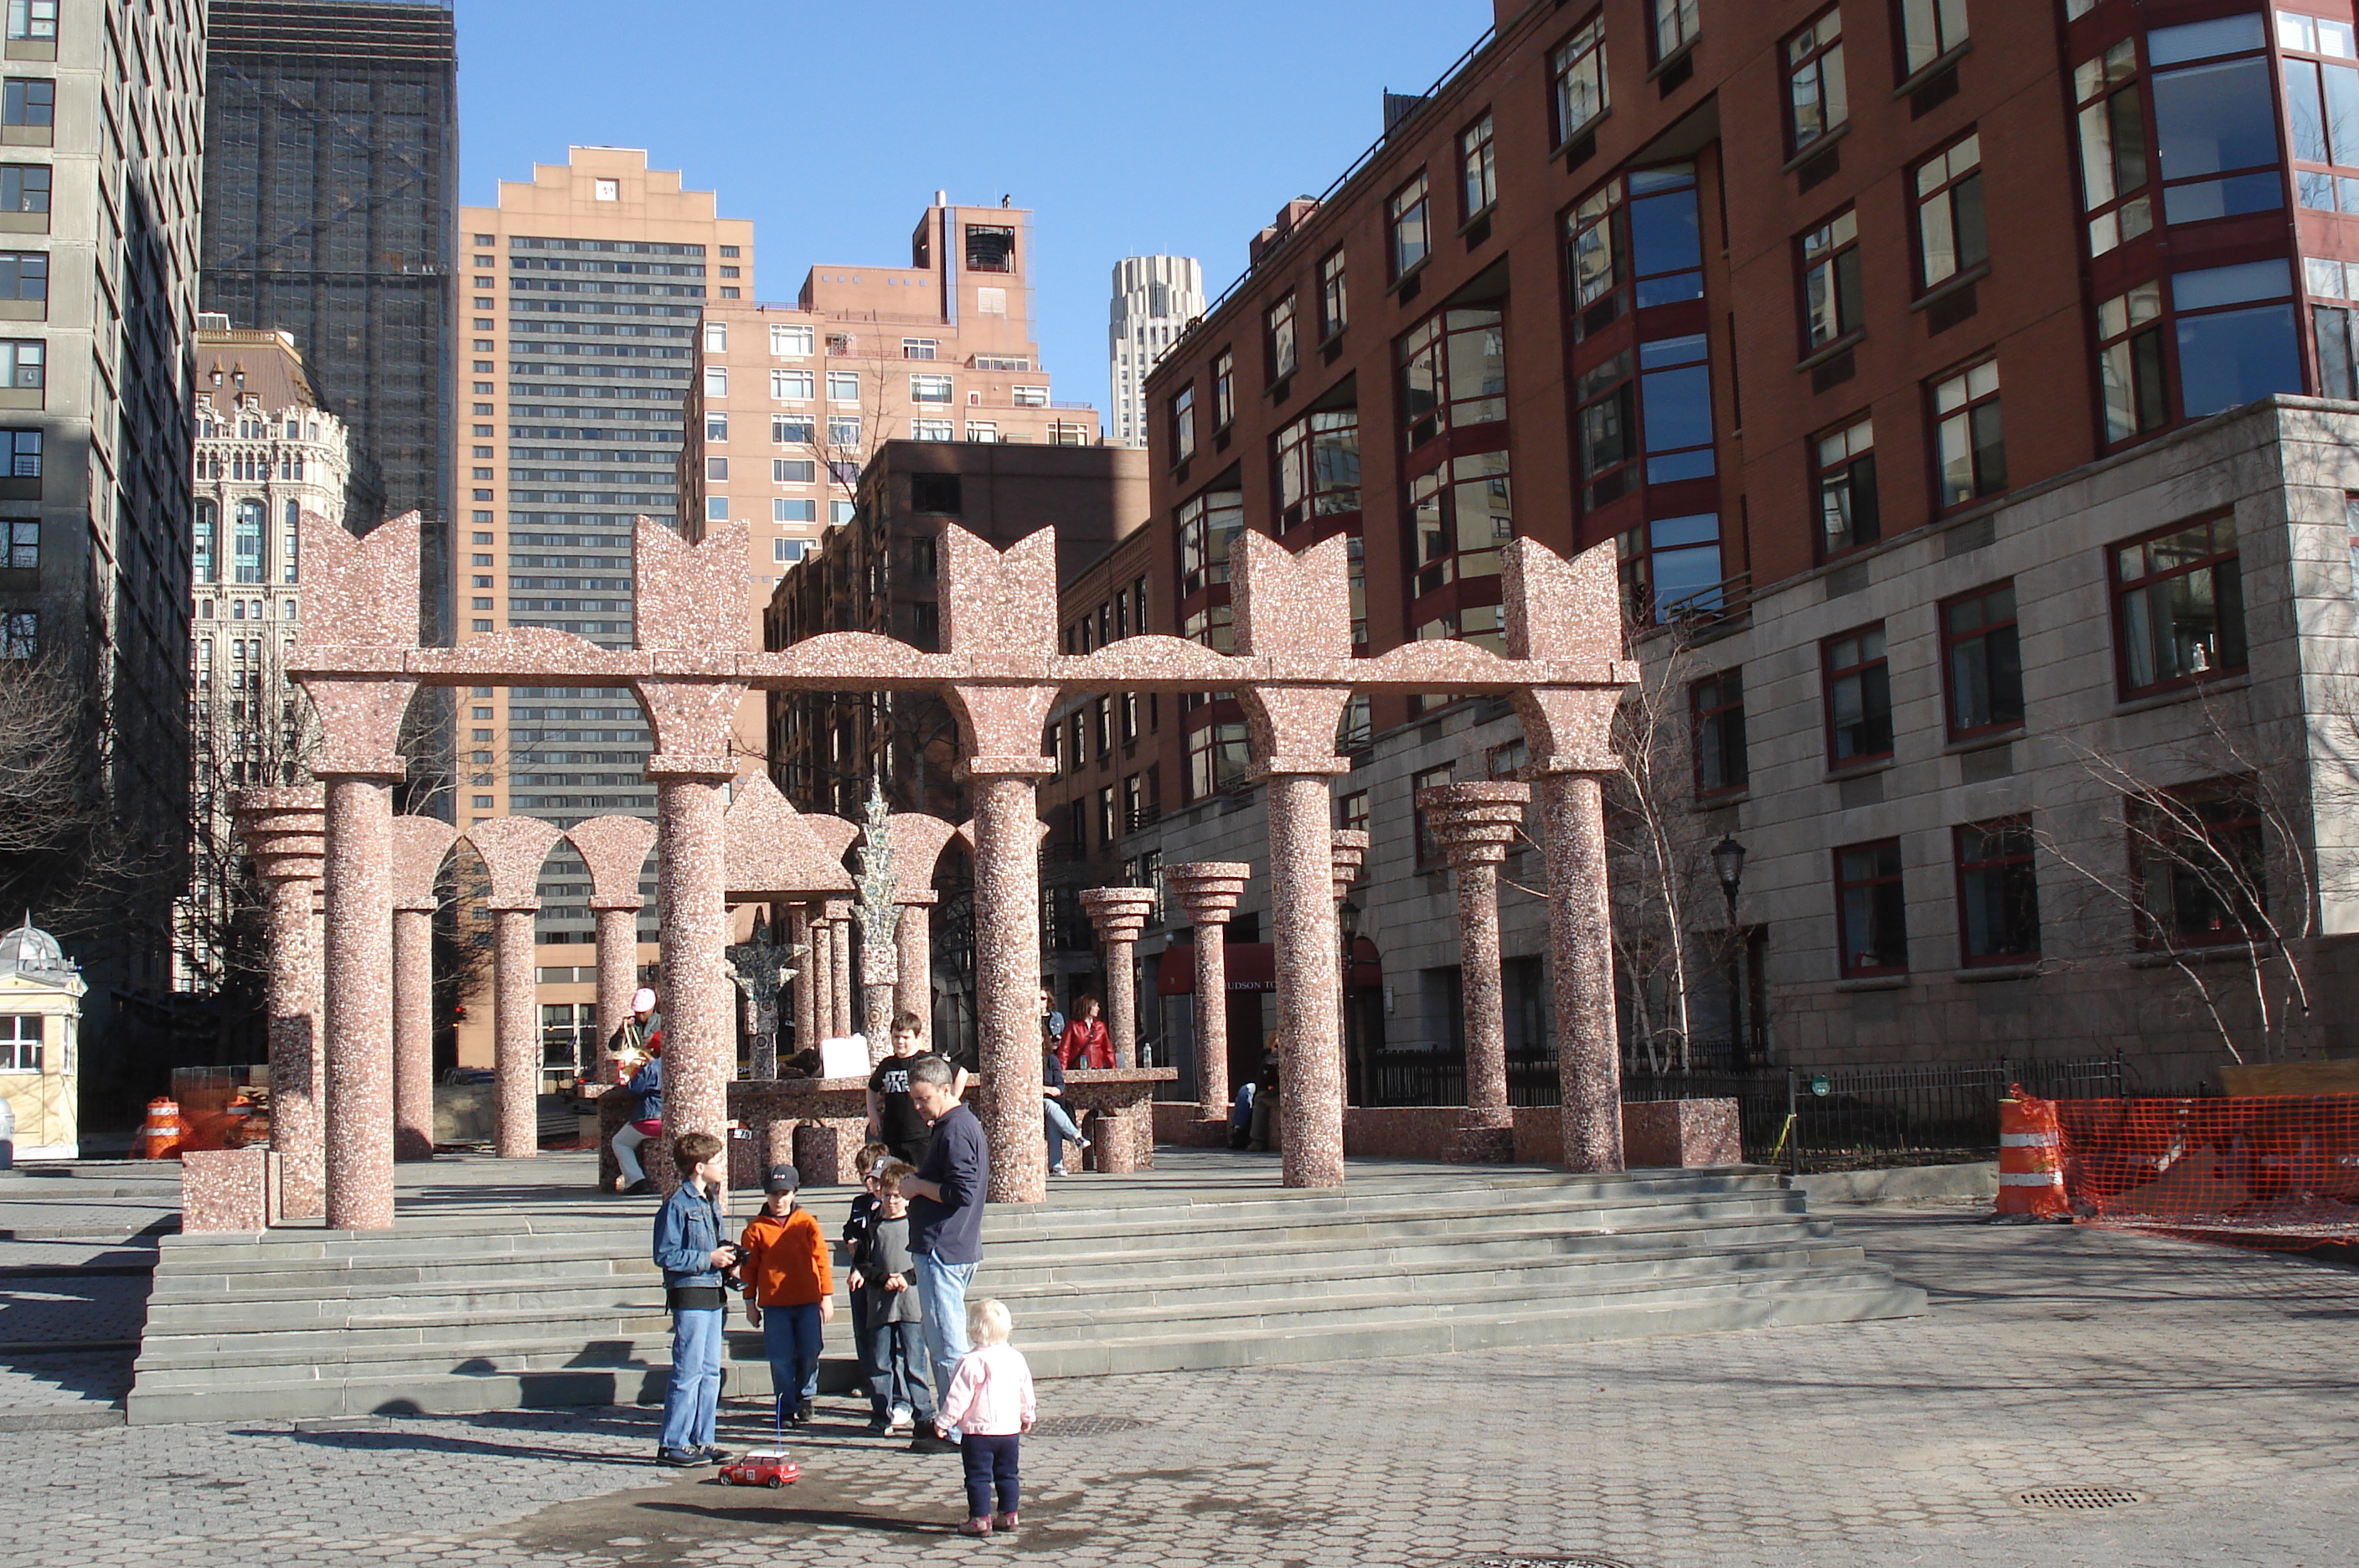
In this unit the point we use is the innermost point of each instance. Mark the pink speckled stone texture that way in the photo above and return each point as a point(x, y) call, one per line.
point(699, 999)
point(689, 596)
point(420, 845)
point(1007, 981)
point(1589, 1062)
point(841, 998)
point(1308, 952)
point(616, 851)
point(913, 975)
point(359, 998)
point(1476, 824)
point(1000, 601)
point(286, 834)
point(1560, 609)
point(512, 850)
point(230, 1189)
point(359, 591)
point(820, 974)
point(777, 854)
point(919, 840)
point(1209, 890)
point(1120, 914)
point(1287, 603)
point(1681, 1133)
point(1348, 849)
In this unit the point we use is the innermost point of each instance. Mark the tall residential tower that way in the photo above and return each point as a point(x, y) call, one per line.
point(1155, 298)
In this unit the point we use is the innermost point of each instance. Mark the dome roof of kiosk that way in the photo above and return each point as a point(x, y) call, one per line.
point(31, 952)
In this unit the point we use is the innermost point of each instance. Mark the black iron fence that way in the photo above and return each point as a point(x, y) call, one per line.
point(1805, 1118)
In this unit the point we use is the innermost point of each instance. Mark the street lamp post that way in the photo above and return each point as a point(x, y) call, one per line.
point(1728, 865)
point(1347, 923)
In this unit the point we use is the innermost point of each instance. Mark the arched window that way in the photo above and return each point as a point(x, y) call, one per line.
point(246, 543)
point(288, 538)
point(208, 531)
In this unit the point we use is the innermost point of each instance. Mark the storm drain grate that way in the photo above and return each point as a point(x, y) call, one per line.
point(2079, 1498)
point(1586, 1561)
point(1084, 1426)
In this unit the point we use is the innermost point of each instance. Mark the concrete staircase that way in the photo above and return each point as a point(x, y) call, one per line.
point(1204, 1263)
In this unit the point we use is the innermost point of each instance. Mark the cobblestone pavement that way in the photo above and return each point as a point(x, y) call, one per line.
point(2217, 1384)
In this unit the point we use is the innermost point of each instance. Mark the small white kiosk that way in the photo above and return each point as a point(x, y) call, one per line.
point(41, 1017)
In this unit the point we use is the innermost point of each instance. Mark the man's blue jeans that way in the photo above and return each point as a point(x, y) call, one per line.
point(692, 1403)
point(941, 1296)
point(1061, 1130)
point(790, 1340)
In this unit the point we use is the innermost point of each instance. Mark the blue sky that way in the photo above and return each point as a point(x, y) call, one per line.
point(1128, 128)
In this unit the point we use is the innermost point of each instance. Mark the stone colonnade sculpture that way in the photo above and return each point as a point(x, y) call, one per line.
point(1001, 672)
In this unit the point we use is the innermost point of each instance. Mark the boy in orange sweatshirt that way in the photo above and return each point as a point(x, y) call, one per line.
point(789, 1292)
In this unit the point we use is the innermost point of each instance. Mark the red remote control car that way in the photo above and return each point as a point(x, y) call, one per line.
point(760, 1469)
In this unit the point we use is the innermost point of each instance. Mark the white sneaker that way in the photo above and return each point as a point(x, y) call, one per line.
point(899, 1419)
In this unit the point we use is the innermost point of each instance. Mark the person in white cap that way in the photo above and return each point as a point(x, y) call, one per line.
point(637, 1047)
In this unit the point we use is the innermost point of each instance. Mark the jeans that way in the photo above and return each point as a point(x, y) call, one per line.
point(860, 1344)
point(989, 1457)
point(694, 1400)
point(941, 1297)
point(791, 1339)
point(627, 1154)
point(897, 1350)
point(1062, 1131)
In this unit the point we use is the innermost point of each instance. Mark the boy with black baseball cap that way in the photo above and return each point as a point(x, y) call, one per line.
point(789, 1292)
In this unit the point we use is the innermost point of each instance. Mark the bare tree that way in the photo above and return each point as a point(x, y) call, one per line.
point(63, 851)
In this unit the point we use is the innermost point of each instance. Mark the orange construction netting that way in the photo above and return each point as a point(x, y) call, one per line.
point(2278, 1171)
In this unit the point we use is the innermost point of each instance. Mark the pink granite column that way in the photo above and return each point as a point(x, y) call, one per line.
point(803, 946)
point(913, 975)
point(1007, 971)
point(285, 831)
point(1309, 1014)
point(1348, 853)
point(512, 850)
point(876, 983)
point(699, 1017)
point(1209, 890)
point(618, 968)
point(1120, 914)
point(823, 974)
point(842, 1004)
point(1580, 950)
point(359, 996)
point(1475, 825)
point(419, 846)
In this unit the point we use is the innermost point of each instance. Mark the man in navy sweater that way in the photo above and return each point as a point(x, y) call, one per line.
point(946, 1200)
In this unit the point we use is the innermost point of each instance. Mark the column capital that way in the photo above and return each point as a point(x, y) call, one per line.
point(1349, 853)
point(1209, 888)
point(916, 898)
point(616, 901)
point(979, 769)
point(1118, 913)
point(1475, 823)
point(1311, 765)
point(673, 769)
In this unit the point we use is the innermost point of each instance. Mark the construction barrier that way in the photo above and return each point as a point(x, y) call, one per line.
point(2030, 1159)
point(2276, 1170)
point(159, 1138)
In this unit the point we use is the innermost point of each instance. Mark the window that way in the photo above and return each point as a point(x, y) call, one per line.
point(2179, 606)
point(1334, 304)
point(2323, 100)
point(838, 345)
point(1642, 230)
point(20, 635)
point(1102, 721)
point(1982, 661)
point(206, 564)
point(1405, 224)
point(20, 1033)
point(843, 430)
point(1832, 306)
point(921, 348)
point(1970, 444)
point(716, 428)
point(985, 430)
point(716, 508)
point(1318, 467)
point(1669, 567)
point(1217, 757)
point(794, 471)
point(22, 365)
point(24, 545)
point(2235, 334)
point(1462, 513)
point(791, 385)
point(840, 511)
point(291, 544)
point(1352, 811)
point(1277, 343)
point(1577, 75)
point(933, 430)
point(34, 21)
point(24, 188)
point(788, 431)
point(1478, 173)
point(1209, 524)
point(2197, 865)
point(1871, 910)
point(1605, 426)
point(1816, 102)
point(2114, 164)
point(843, 386)
point(2216, 121)
point(990, 248)
point(787, 509)
point(716, 468)
point(1998, 894)
point(1429, 847)
point(1716, 707)
point(1225, 388)
point(1453, 372)
point(922, 390)
point(1028, 397)
point(1929, 29)
point(245, 538)
point(1951, 236)
point(790, 342)
point(1675, 408)
point(716, 337)
point(1108, 823)
point(2130, 363)
point(1859, 697)
point(1845, 479)
point(1676, 25)
point(26, 101)
point(1183, 425)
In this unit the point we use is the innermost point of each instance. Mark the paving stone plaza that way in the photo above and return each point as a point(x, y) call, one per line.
point(2215, 1384)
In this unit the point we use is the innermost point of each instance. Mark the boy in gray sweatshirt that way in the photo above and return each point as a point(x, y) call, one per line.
point(899, 1391)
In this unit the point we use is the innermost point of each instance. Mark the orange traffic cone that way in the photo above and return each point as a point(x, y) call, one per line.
point(160, 1138)
point(2031, 1158)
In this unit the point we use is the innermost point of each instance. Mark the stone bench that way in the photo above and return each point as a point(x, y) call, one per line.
point(819, 1125)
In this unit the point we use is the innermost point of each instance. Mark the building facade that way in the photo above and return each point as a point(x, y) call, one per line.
point(582, 293)
point(330, 198)
point(100, 132)
point(1765, 301)
point(1155, 298)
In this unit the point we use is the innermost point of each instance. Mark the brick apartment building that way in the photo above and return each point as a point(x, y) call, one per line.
point(1907, 352)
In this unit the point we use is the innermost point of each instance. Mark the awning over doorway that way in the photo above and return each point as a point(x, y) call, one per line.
point(1252, 966)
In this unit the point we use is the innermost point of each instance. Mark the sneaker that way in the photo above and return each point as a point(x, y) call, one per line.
point(639, 1187)
point(713, 1455)
point(879, 1425)
point(898, 1420)
point(930, 1440)
point(792, 1416)
point(803, 1414)
point(1003, 1523)
point(975, 1526)
point(1085, 1146)
point(1056, 1170)
point(678, 1458)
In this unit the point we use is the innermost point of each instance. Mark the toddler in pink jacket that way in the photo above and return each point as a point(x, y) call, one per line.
point(989, 1404)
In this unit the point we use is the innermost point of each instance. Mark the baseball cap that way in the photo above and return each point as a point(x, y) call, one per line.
point(783, 1178)
point(643, 1000)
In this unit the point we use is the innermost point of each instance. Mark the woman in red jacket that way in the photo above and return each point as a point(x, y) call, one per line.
point(1086, 1042)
